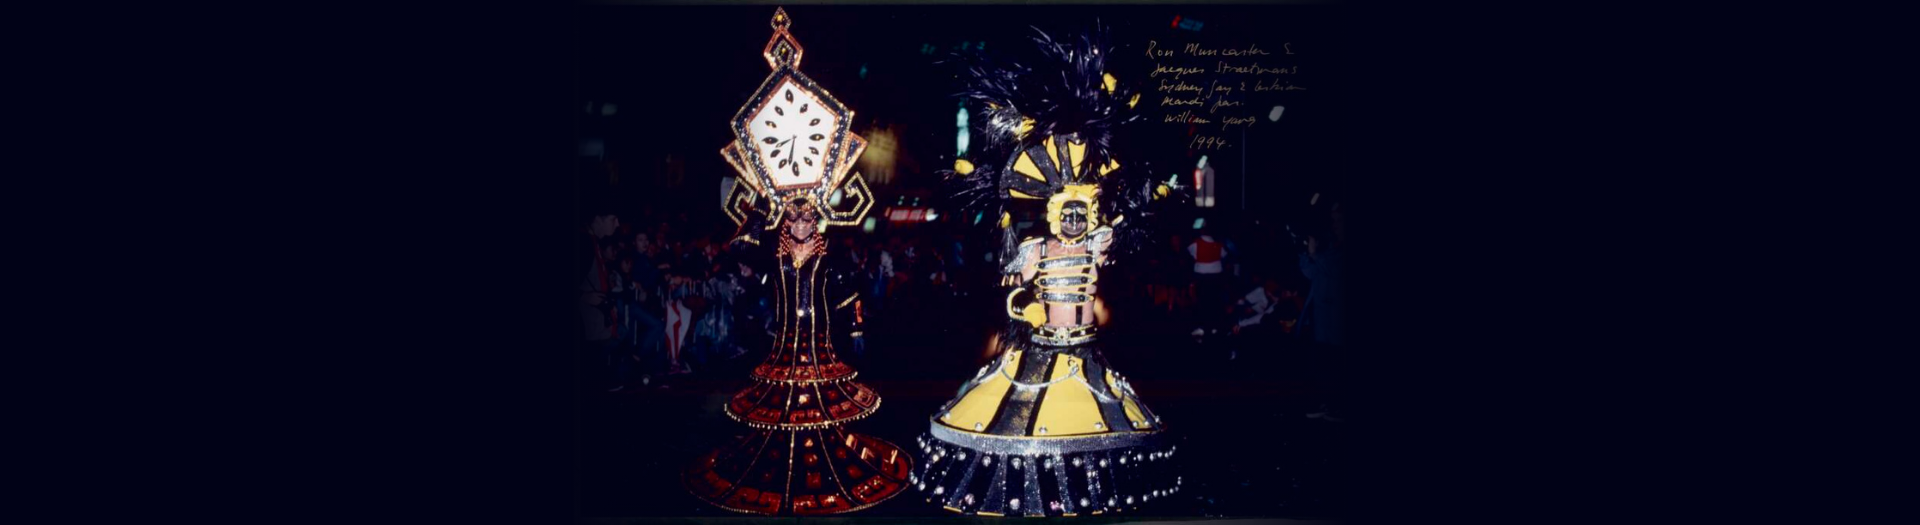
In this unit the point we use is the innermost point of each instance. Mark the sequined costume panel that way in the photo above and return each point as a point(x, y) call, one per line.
point(1046, 392)
point(1045, 432)
point(803, 383)
point(818, 471)
point(800, 459)
point(1047, 428)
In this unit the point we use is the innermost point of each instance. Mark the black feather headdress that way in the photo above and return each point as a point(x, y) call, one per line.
point(1050, 121)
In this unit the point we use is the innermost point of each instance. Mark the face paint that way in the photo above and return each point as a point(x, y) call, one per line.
point(1073, 220)
point(803, 222)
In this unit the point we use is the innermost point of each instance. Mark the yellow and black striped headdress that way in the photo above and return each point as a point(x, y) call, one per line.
point(1049, 125)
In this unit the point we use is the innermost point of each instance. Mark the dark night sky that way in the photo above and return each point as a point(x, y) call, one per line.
point(678, 74)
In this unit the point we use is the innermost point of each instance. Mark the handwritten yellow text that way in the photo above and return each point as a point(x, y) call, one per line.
point(1170, 101)
point(1206, 142)
point(1186, 117)
point(1177, 72)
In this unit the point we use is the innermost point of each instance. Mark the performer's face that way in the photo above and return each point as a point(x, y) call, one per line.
point(803, 223)
point(1073, 219)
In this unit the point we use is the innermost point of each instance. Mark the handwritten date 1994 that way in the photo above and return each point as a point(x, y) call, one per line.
point(1206, 142)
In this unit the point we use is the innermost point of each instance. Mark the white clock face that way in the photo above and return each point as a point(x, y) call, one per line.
point(790, 135)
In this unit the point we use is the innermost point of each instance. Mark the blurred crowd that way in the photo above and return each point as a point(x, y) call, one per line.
point(662, 298)
point(1254, 285)
point(665, 296)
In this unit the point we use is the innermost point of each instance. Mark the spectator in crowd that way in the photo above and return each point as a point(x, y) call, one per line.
point(1161, 265)
point(646, 266)
point(956, 260)
point(597, 308)
point(1209, 268)
point(1323, 320)
point(1266, 309)
point(623, 349)
point(643, 328)
point(912, 284)
point(1257, 306)
point(697, 258)
point(934, 266)
point(884, 276)
point(850, 249)
point(752, 311)
point(600, 227)
point(678, 320)
point(661, 235)
point(714, 331)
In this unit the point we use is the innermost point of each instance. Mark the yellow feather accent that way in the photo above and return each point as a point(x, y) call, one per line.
point(1026, 125)
point(962, 166)
point(1024, 166)
point(1134, 100)
point(1112, 164)
point(1109, 81)
point(1005, 219)
point(1018, 195)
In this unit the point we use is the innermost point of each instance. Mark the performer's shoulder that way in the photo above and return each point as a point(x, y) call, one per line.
point(1031, 247)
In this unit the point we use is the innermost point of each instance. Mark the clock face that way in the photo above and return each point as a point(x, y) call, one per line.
point(791, 133)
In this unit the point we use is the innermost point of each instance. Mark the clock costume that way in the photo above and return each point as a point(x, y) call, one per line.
point(1048, 428)
point(794, 154)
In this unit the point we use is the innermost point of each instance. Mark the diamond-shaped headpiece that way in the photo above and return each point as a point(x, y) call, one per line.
point(783, 54)
point(783, 50)
point(780, 20)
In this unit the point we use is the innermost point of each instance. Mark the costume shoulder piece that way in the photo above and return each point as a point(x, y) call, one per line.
point(1100, 242)
point(1103, 234)
point(1028, 251)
